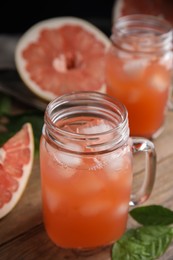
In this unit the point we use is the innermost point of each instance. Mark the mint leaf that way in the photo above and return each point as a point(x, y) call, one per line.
point(144, 243)
point(152, 215)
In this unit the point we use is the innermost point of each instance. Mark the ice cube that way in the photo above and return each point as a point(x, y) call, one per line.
point(115, 158)
point(121, 209)
point(124, 55)
point(53, 199)
point(74, 147)
point(114, 167)
point(95, 206)
point(67, 159)
point(66, 162)
point(166, 60)
point(158, 82)
point(127, 46)
point(94, 126)
point(66, 172)
point(118, 162)
point(98, 164)
point(95, 129)
point(135, 67)
point(134, 95)
point(91, 183)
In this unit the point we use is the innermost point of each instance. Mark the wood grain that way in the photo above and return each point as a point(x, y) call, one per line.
point(22, 234)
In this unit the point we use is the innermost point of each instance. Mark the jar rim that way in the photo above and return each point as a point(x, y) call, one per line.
point(142, 33)
point(67, 104)
point(146, 19)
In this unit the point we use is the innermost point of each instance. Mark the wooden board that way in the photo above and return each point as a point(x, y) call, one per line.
point(22, 234)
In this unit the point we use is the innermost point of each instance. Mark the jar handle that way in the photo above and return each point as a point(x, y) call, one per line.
point(146, 146)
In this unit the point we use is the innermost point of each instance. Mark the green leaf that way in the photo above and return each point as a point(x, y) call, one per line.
point(152, 215)
point(144, 243)
point(5, 104)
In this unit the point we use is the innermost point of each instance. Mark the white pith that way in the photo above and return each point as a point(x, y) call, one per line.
point(27, 169)
point(117, 9)
point(32, 35)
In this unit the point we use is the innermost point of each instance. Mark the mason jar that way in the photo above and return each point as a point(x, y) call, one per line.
point(139, 70)
point(86, 170)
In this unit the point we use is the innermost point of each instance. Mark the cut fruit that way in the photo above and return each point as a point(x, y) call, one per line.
point(161, 8)
point(16, 161)
point(61, 55)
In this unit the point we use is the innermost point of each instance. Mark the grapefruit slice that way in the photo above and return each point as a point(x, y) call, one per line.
point(161, 8)
point(16, 161)
point(61, 55)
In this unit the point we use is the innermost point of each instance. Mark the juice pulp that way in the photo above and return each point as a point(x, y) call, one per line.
point(85, 198)
point(143, 86)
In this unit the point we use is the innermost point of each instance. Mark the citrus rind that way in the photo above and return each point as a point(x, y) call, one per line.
point(27, 169)
point(32, 35)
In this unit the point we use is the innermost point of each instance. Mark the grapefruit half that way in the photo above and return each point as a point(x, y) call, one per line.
point(161, 8)
point(61, 55)
point(16, 161)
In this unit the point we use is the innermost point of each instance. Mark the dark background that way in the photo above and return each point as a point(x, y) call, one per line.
point(17, 17)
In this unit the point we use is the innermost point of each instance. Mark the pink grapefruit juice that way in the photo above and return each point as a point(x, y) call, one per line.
point(143, 86)
point(85, 198)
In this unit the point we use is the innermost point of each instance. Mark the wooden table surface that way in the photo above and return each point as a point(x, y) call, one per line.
point(22, 234)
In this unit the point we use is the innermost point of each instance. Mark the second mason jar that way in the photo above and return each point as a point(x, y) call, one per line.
point(139, 70)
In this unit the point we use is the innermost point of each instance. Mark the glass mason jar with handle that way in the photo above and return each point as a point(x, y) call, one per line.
point(86, 170)
point(139, 71)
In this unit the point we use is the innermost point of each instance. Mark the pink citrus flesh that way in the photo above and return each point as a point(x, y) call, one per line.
point(61, 55)
point(16, 161)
